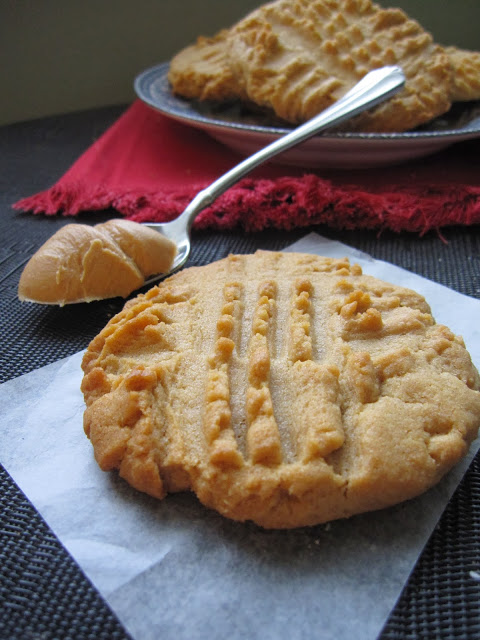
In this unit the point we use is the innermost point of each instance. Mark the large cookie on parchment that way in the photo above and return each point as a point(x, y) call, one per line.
point(282, 388)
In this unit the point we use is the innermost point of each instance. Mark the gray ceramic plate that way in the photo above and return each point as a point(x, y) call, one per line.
point(245, 131)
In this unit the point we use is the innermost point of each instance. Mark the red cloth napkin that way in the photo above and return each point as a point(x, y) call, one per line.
point(148, 167)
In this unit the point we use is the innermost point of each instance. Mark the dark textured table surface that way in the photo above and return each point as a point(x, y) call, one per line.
point(43, 593)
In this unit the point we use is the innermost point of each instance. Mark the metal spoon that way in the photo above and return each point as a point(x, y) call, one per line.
point(375, 87)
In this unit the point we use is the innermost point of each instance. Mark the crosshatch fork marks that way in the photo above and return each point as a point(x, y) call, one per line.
point(263, 438)
point(218, 428)
point(259, 397)
point(300, 338)
point(315, 385)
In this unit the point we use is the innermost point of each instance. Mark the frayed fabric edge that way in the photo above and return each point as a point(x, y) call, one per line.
point(284, 203)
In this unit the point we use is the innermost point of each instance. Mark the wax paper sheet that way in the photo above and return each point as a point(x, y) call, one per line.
point(173, 569)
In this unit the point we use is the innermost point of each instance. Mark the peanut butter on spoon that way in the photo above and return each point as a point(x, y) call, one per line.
point(81, 263)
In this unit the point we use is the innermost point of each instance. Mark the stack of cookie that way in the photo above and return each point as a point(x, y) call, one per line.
point(294, 58)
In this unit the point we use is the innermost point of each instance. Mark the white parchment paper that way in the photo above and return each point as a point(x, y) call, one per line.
point(175, 570)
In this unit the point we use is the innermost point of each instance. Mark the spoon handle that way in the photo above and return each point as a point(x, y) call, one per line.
point(375, 87)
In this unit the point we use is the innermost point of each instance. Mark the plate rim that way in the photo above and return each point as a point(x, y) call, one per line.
point(159, 71)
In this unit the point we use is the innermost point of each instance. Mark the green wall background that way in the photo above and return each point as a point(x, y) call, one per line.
point(64, 55)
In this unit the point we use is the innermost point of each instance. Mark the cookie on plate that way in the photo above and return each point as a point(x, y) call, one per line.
point(296, 57)
point(466, 74)
point(285, 389)
point(203, 71)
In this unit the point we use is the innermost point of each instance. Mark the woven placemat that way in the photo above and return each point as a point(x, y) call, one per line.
point(43, 593)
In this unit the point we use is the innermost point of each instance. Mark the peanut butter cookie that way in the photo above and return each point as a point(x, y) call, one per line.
point(285, 389)
point(466, 74)
point(296, 57)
